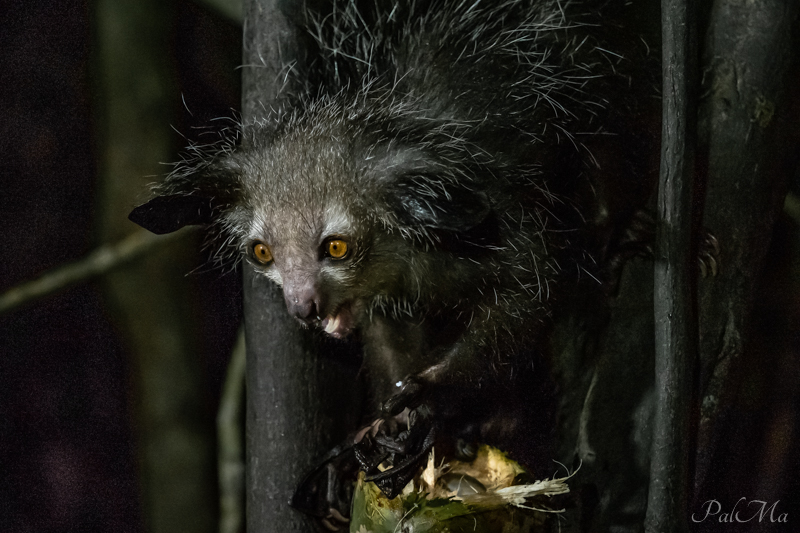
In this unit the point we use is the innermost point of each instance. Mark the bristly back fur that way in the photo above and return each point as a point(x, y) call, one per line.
point(436, 55)
point(471, 135)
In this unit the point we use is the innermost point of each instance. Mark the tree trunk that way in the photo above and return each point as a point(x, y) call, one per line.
point(301, 398)
point(675, 275)
point(749, 133)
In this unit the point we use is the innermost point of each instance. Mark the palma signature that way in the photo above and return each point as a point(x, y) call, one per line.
point(742, 511)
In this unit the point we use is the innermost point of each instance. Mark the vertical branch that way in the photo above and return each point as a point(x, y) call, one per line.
point(300, 400)
point(230, 453)
point(277, 353)
point(750, 130)
point(674, 302)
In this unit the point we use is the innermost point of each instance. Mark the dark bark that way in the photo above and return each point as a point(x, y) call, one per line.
point(674, 278)
point(301, 401)
point(301, 398)
point(748, 138)
point(271, 46)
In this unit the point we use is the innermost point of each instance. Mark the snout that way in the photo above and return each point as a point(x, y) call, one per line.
point(303, 301)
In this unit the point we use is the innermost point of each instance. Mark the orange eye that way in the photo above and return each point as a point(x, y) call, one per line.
point(262, 253)
point(337, 248)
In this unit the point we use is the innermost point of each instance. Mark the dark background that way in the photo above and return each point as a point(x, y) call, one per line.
point(68, 452)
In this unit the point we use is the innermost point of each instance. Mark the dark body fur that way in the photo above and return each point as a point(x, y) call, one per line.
point(475, 156)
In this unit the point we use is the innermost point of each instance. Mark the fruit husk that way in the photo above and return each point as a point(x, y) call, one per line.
point(428, 505)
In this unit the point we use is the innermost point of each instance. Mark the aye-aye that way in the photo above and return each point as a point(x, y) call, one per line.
point(443, 171)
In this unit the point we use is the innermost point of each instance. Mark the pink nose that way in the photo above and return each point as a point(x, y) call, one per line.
point(302, 302)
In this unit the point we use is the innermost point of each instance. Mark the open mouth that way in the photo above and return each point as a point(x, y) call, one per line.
point(339, 324)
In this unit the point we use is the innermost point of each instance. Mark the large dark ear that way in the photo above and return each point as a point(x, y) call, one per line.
point(424, 191)
point(419, 200)
point(193, 194)
point(165, 214)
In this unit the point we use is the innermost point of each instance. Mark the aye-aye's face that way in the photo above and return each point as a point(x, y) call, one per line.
point(315, 256)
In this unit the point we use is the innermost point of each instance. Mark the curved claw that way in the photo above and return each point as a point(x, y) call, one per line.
point(708, 255)
point(410, 396)
point(397, 445)
point(335, 521)
point(710, 244)
point(402, 448)
point(408, 462)
point(708, 265)
point(393, 481)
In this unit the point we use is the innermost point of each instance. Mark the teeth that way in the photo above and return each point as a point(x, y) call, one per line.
point(332, 325)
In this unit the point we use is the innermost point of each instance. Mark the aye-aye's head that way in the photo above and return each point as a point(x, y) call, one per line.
point(337, 217)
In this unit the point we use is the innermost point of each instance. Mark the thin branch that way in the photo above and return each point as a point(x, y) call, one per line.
point(232, 9)
point(791, 206)
point(230, 420)
point(99, 262)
